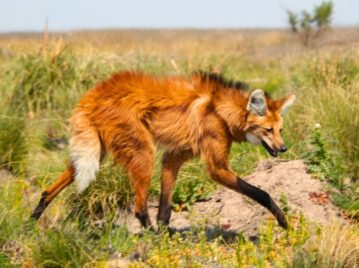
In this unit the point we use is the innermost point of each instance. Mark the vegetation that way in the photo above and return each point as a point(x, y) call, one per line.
point(311, 25)
point(40, 84)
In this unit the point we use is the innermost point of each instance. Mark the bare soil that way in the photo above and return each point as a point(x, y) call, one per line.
point(233, 213)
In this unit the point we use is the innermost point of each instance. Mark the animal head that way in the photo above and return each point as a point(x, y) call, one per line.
point(265, 122)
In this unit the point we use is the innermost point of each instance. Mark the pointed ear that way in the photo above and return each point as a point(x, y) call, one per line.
point(257, 103)
point(285, 103)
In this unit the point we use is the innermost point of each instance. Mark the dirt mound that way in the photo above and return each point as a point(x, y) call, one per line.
point(234, 212)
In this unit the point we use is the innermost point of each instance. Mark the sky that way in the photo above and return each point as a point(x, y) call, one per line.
point(65, 15)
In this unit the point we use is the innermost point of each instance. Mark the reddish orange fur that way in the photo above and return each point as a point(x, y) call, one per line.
point(132, 112)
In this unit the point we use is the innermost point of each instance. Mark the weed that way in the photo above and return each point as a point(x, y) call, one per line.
point(284, 202)
point(323, 165)
point(189, 191)
point(319, 162)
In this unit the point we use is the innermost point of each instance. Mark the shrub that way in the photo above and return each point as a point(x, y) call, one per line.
point(311, 25)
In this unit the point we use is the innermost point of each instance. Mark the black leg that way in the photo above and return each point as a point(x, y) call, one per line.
point(264, 199)
point(144, 219)
point(42, 205)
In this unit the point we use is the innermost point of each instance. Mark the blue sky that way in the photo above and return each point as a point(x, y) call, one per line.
point(31, 15)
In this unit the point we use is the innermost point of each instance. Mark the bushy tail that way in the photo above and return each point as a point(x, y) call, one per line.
point(85, 150)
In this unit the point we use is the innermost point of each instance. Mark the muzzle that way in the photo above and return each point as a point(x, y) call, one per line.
point(274, 152)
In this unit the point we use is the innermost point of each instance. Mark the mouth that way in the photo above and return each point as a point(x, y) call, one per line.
point(271, 151)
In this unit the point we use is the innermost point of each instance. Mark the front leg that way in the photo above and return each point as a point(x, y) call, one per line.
point(215, 153)
point(171, 163)
point(229, 179)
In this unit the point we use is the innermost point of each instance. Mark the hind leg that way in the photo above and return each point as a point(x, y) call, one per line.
point(139, 168)
point(132, 147)
point(66, 178)
point(141, 179)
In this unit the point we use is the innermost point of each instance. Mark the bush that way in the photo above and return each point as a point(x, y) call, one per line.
point(311, 25)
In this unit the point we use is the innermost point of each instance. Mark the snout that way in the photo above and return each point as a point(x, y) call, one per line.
point(282, 149)
point(274, 151)
point(270, 150)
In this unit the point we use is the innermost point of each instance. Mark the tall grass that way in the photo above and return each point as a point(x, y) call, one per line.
point(13, 142)
point(111, 190)
point(334, 246)
point(50, 80)
point(327, 89)
point(33, 86)
point(64, 247)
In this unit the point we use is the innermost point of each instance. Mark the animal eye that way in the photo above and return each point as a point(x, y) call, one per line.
point(269, 130)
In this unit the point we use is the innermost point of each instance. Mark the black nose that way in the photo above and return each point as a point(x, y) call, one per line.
point(283, 148)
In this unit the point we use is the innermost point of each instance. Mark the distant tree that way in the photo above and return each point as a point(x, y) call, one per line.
point(293, 21)
point(311, 25)
point(307, 28)
point(323, 15)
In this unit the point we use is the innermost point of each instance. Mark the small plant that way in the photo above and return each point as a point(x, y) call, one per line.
point(284, 202)
point(323, 165)
point(311, 25)
point(188, 192)
point(320, 162)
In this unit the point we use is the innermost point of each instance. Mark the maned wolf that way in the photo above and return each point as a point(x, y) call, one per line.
point(200, 115)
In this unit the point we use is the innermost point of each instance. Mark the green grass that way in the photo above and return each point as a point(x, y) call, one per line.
point(70, 244)
point(324, 123)
point(38, 90)
point(327, 87)
point(112, 189)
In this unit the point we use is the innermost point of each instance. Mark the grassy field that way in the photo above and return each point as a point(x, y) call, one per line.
point(43, 77)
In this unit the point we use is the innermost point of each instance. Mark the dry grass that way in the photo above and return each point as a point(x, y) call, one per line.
point(333, 246)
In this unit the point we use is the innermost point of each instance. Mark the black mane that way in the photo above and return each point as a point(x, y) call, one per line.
point(218, 78)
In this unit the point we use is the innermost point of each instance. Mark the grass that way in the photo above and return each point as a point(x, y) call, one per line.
point(332, 79)
point(40, 84)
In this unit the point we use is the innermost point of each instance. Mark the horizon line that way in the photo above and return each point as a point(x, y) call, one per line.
point(135, 28)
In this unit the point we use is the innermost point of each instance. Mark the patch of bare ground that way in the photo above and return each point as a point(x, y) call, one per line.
point(5, 175)
point(233, 213)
